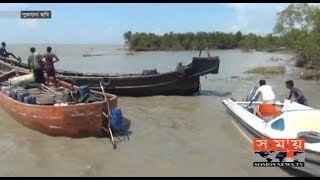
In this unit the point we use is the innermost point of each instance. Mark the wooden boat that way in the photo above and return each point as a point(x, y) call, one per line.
point(281, 120)
point(75, 120)
point(169, 83)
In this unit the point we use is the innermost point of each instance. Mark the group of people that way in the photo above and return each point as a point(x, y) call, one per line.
point(267, 94)
point(36, 63)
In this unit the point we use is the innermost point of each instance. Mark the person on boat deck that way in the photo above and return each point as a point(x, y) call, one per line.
point(180, 69)
point(296, 93)
point(5, 54)
point(36, 66)
point(266, 92)
point(49, 65)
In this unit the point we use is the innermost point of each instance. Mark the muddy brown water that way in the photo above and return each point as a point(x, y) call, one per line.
point(170, 136)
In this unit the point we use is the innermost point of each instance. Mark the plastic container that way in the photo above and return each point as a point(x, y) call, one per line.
point(16, 81)
point(116, 118)
point(30, 100)
point(84, 90)
point(21, 95)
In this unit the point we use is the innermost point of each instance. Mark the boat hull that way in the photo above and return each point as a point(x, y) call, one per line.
point(167, 84)
point(312, 163)
point(79, 120)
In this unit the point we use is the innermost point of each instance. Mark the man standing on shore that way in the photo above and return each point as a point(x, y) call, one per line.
point(36, 66)
point(49, 65)
point(5, 54)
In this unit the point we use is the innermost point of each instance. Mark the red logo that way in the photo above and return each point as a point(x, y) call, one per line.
point(289, 145)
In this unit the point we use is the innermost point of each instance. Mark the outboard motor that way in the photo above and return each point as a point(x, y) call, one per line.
point(249, 99)
point(251, 94)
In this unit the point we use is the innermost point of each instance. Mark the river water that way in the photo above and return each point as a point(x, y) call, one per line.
point(170, 136)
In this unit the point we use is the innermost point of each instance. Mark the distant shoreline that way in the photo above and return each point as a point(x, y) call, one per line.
point(171, 50)
point(122, 47)
point(105, 44)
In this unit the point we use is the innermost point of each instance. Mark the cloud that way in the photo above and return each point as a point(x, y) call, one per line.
point(254, 17)
point(241, 20)
point(29, 24)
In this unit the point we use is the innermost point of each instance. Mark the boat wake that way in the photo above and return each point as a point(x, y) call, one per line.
point(213, 93)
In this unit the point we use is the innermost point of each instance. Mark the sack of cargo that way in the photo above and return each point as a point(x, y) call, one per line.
point(34, 91)
point(60, 97)
point(45, 99)
point(19, 89)
point(16, 81)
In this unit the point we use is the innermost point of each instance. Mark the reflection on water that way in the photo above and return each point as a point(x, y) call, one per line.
point(168, 135)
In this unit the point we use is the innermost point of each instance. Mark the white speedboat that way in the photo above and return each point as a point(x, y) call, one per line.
point(286, 120)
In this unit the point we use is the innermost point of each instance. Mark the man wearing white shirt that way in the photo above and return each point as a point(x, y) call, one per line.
point(266, 93)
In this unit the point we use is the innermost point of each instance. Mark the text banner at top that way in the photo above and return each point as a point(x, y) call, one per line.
point(35, 14)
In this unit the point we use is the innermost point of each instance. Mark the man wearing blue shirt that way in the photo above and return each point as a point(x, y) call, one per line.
point(296, 93)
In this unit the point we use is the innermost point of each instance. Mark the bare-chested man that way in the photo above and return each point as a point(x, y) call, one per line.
point(49, 65)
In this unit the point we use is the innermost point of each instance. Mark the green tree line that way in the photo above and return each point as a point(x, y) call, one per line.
point(196, 41)
point(297, 28)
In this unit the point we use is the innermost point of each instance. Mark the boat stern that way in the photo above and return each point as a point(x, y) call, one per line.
point(205, 65)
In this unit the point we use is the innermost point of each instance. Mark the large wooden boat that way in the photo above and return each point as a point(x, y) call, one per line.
point(185, 82)
point(73, 120)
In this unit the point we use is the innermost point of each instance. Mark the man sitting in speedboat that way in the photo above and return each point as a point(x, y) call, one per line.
point(266, 93)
